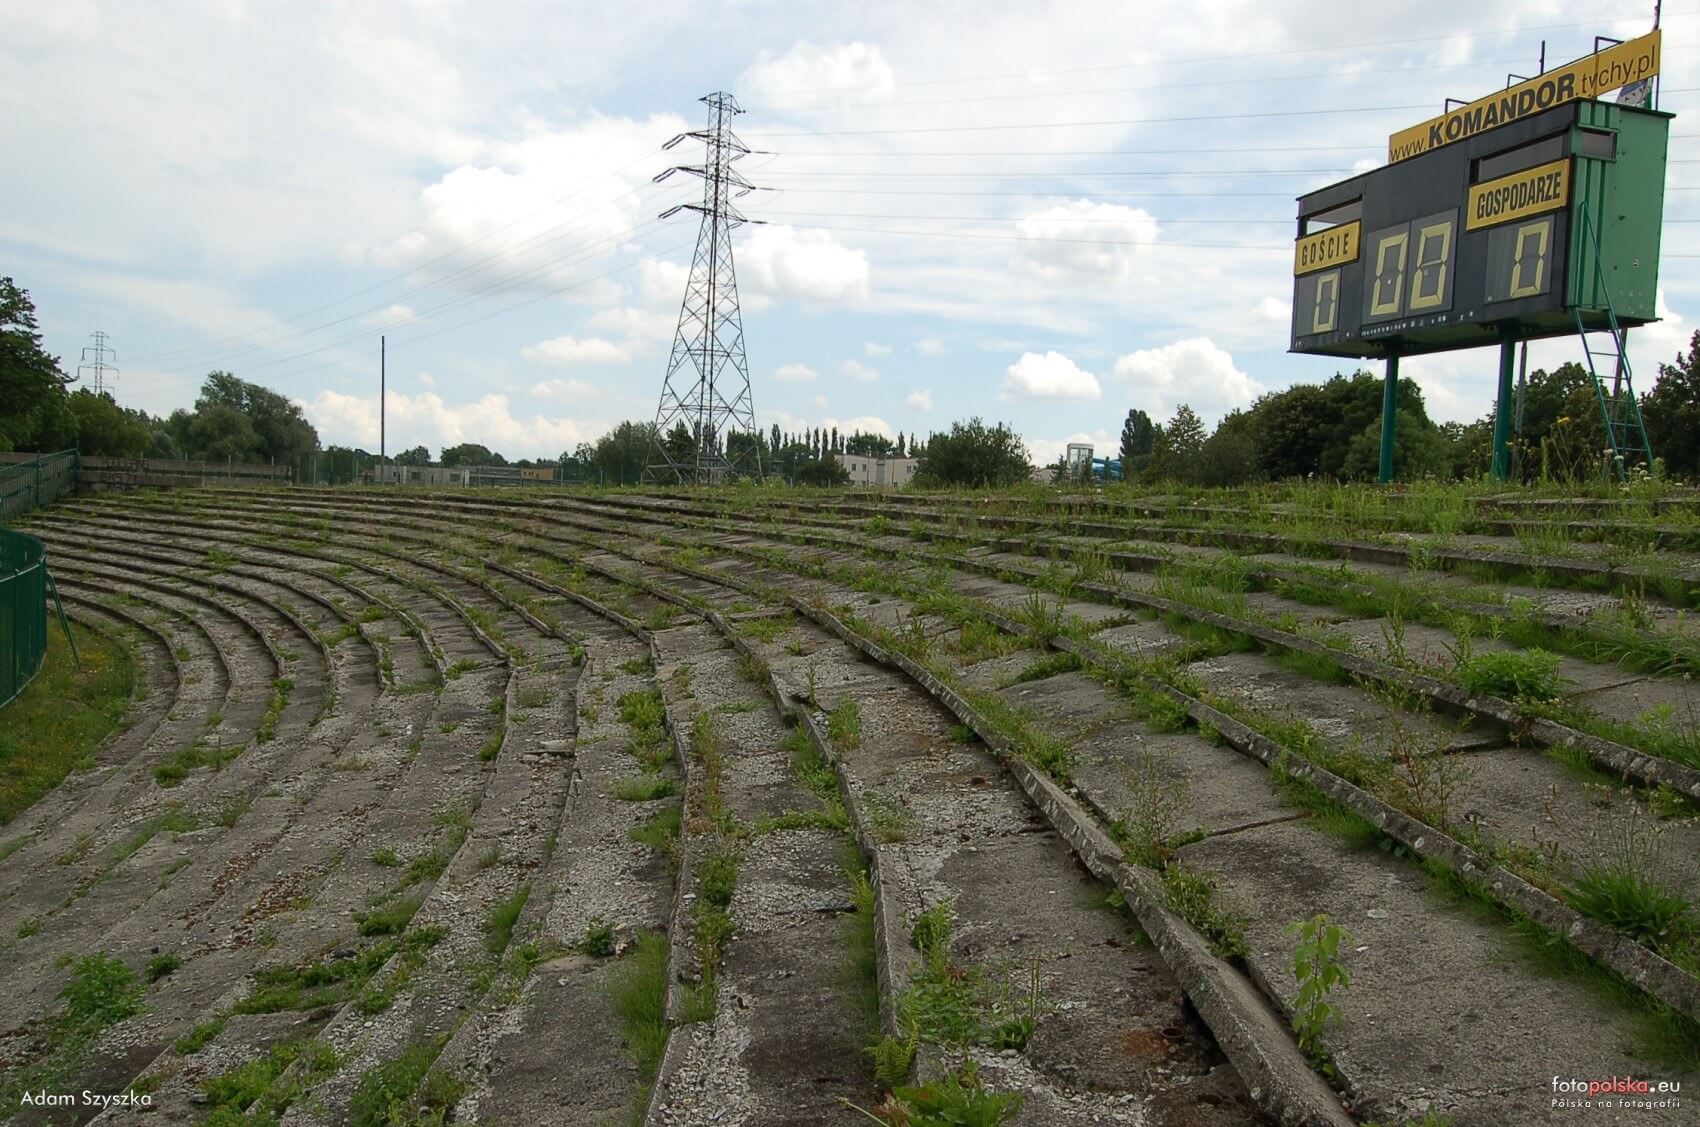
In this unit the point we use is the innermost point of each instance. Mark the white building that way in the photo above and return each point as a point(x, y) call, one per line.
point(878, 473)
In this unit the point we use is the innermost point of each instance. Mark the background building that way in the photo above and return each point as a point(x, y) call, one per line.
point(879, 473)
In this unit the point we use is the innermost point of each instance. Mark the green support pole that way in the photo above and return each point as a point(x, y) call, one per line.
point(1389, 416)
point(1503, 409)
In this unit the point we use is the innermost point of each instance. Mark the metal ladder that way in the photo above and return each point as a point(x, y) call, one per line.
point(1620, 410)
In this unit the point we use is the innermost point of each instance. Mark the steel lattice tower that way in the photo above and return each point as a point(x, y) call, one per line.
point(707, 389)
point(95, 360)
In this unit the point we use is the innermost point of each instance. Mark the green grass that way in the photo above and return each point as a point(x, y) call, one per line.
point(56, 724)
point(660, 832)
point(1623, 897)
point(500, 931)
point(1515, 675)
point(328, 980)
point(258, 1091)
point(102, 992)
point(638, 992)
point(646, 788)
point(405, 1092)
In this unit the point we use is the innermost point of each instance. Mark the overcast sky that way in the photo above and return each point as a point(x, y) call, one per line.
point(1044, 213)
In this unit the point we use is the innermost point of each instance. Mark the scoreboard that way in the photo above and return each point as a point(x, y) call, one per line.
point(1501, 233)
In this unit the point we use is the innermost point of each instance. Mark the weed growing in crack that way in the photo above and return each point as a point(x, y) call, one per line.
point(1191, 895)
point(1317, 969)
point(499, 931)
point(638, 991)
point(646, 788)
point(959, 1097)
point(1515, 675)
point(598, 941)
point(1157, 795)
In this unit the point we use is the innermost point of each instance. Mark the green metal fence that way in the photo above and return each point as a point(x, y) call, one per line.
point(23, 611)
point(29, 485)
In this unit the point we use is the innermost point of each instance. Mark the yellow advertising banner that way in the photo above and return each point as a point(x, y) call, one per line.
point(1545, 187)
point(1332, 247)
point(1590, 77)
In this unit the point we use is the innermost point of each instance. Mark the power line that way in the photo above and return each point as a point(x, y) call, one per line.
point(1152, 244)
point(1309, 77)
point(410, 270)
point(1086, 124)
point(1185, 59)
point(499, 285)
point(1072, 174)
point(1288, 221)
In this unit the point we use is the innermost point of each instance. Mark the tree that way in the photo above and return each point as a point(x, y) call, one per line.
point(821, 472)
point(900, 446)
point(869, 445)
point(1138, 434)
point(281, 432)
point(471, 454)
point(33, 412)
point(1671, 412)
point(221, 433)
point(621, 455)
point(974, 455)
point(106, 429)
point(1229, 456)
point(418, 456)
point(1177, 447)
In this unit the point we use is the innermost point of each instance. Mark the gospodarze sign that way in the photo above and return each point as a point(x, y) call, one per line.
point(1590, 77)
point(1530, 192)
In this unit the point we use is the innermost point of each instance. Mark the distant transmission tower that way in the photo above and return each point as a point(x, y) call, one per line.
point(707, 389)
point(95, 360)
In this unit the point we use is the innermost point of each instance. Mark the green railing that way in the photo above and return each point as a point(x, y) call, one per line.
point(39, 481)
point(23, 611)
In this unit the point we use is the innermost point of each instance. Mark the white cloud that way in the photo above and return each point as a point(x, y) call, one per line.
point(795, 373)
point(920, 400)
point(1083, 237)
point(875, 348)
point(783, 262)
point(929, 346)
point(539, 212)
point(568, 390)
point(1051, 376)
point(570, 350)
point(390, 316)
point(856, 370)
point(639, 326)
point(820, 402)
point(661, 282)
point(427, 419)
point(1274, 311)
point(1194, 371)
point(847, 73)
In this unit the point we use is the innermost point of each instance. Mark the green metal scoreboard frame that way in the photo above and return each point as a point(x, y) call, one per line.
point(1521, 216)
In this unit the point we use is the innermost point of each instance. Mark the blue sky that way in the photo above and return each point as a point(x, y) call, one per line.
point(266, 188)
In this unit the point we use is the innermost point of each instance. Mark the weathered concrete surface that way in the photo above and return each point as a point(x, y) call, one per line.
point(1340, 713)
point(1440, 1014)
point(1526, 799)
point(784, 1045)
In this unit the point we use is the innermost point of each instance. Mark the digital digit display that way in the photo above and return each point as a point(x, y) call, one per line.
point(1459, 246)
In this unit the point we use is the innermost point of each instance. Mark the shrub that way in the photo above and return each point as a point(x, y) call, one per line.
point(1513, 674)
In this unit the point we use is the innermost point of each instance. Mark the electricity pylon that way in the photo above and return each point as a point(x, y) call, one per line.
point(94, 360)
point(707, 389)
